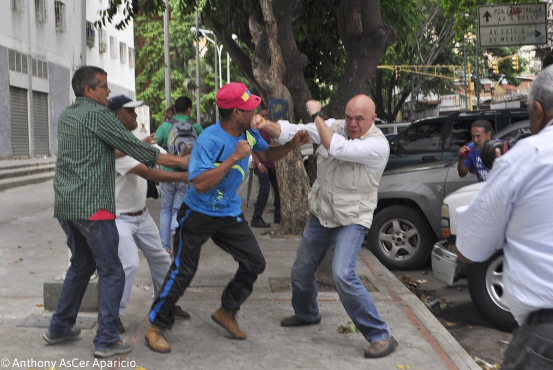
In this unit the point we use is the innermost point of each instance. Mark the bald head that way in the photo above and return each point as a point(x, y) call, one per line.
point(360, 116)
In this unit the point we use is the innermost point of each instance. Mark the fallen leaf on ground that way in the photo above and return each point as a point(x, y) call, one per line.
point(348, 328)
point(404, 367)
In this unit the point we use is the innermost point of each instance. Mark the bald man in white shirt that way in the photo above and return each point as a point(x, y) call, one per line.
point(351, 158)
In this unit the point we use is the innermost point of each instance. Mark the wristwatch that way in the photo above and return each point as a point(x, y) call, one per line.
point(317, 114)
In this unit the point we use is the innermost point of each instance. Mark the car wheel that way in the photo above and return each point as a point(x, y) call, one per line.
point(400, 238)
point(485, 282)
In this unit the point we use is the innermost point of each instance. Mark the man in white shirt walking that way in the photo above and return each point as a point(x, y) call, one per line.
point(137, 230)
point(514, 213)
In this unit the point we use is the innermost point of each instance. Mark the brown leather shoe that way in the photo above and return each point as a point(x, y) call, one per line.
point(381, 348)
point(293, 320)
point(227, 319)
point(180, 313)
point(156, 339)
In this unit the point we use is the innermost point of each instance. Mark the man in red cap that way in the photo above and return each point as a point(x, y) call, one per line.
point(212, 209)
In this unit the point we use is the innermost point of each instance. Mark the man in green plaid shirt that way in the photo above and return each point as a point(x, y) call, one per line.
point(84, 186)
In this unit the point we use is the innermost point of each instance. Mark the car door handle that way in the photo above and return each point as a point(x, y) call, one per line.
point(429, 158)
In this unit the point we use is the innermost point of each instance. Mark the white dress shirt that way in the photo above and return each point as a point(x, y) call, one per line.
point(371, 152)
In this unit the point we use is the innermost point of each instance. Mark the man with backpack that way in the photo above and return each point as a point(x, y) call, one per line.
point(178, 133)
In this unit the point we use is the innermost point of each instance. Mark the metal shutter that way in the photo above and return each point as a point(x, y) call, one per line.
point(20, 122)
point(41, 132)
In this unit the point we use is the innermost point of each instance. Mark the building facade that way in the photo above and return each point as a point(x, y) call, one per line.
point(42, 42)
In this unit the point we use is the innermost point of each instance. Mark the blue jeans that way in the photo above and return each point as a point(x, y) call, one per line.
point(93, 246)
point(346, 242)
point(266, 180)
point(172, 194)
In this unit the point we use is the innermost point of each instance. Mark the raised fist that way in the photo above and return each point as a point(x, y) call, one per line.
point(464, 152)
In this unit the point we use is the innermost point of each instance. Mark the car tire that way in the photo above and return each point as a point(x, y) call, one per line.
point(401, 238)
point(485, 283)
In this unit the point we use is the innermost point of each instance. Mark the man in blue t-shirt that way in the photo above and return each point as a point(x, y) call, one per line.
point(212, 209)
point(469, 155)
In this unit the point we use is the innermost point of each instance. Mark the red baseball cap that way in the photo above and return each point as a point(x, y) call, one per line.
point(237, 95)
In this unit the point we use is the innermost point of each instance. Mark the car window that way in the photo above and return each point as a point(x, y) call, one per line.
point(460, 135)
point(421, 138)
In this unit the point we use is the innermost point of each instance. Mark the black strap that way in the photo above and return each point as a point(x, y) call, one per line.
point(219, 156)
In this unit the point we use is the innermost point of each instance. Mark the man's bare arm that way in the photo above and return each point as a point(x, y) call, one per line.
point(208, 179)
point(159, 175)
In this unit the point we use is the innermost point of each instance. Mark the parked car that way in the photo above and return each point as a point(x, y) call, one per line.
point(440, 138)
point(485, 279)
point(391, 130)
point(407, 220)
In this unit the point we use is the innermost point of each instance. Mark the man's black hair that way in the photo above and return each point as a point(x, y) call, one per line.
point(486, 125)
point(225, 113)
point(182, 105)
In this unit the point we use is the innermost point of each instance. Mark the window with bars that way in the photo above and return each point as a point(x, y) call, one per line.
point(102, 40)
point(17, 61)
point(40, 11)
point(113, 47)
point(59, 9)
point(122, 52)
point(131, 58)
point(90, 35)
point(40, 68)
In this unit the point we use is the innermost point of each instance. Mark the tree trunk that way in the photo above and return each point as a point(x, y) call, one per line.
point(365, 38)
point(269, 70)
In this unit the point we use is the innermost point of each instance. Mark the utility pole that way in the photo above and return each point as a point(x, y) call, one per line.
point(477, 74)
point(466, 76)
point(167, 56)
point(471, 87)
point(198, 108)
point(216, 78)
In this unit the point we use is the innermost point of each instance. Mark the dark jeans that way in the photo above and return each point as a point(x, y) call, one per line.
point(231, 234)
point(93, 246)
point(265, 182)
point(531, 348)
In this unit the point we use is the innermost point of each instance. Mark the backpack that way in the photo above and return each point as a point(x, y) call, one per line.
point(181, 137)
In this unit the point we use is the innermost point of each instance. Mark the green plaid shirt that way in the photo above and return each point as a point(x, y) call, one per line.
point(88, 134)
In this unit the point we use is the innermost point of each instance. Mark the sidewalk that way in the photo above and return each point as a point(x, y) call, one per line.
point(33, 250)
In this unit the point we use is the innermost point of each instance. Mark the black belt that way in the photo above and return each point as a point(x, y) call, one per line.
point(540, 317)
point(138, 213)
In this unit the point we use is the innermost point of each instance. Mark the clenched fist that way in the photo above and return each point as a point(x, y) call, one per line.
point(464, 152)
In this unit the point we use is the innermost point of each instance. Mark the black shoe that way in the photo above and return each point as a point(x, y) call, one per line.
point(293, 320)
point(120, 327)
point(117, 348)
point(180, 313)
point(276, 220)
point(72, 334)
point(258, 222)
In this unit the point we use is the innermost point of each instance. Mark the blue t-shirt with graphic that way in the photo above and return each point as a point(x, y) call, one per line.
point(473, 161)
point(212, 147)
